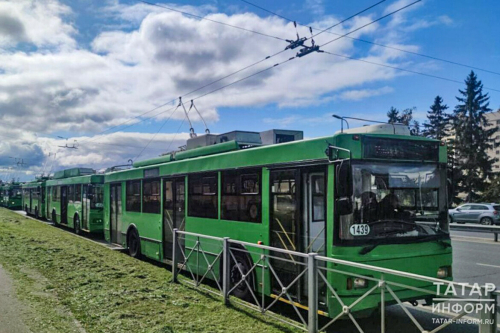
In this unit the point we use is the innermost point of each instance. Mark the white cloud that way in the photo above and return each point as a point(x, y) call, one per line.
point(61, 87)
point(39, 22)
point(356, 95)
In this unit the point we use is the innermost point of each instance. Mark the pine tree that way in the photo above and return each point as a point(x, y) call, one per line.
point(435, 128)
point(393, 115)
point(492, 191)
point(416, 128)
point(472, 138)
point(404, 117)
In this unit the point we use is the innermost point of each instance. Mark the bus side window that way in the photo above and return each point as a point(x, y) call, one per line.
point(241, 196)
point(202, 199)
point(71, 193)
point(151, 196)
point(133, 196)
point(78, 193)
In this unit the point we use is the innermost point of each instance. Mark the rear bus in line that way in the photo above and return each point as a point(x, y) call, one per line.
point(12, 196)
point(34, 197)
point(74, 200)
point(375, 195)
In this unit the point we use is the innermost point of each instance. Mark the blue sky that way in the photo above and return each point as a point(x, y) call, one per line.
point(469, 38)
point(84, 66)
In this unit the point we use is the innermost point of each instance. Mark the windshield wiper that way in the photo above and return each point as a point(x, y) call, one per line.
point(413, 224)
point(369, 248)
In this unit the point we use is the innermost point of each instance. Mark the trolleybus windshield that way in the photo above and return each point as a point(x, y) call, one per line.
point(96, 196)
point(396, 200)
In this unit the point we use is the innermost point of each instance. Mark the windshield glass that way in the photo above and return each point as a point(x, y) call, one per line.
point(394, 200)
point(96, 197)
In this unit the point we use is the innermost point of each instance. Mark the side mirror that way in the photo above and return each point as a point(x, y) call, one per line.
point(459, 209)
point(344, 206)
point(343, 179)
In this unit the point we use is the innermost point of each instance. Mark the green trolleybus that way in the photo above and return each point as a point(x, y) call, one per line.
point(34, 195)
point(12, 196)
point(375, 195)
point(1, 194)
point(74, 200)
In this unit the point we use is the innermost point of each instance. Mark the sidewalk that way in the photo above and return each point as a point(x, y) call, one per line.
point(10, 308)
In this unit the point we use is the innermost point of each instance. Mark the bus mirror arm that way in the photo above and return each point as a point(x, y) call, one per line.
point(334, 153)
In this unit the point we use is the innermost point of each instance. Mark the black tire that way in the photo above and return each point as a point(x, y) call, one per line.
point(486, 221)
point(134, 244)
point(76, 225)
point(241, 291)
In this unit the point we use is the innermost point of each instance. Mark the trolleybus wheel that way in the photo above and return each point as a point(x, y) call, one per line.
point(77, 225)
point(134, 244)
point(241, 265)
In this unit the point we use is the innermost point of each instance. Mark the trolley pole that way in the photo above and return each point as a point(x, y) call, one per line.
point(225, 269)
point(312, 293)
point(174, 256)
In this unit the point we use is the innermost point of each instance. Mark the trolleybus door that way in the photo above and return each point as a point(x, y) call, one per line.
point(314, 219)
point(314, 214)
point(173, 212)
point(284, 227)
point(64, 204)
point(31, 201)
point(116, 212)
point(85, 207)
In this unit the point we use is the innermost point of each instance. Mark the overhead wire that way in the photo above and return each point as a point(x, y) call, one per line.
point(154, 136)
point(374, 43)
point(292, 58)
point(336, 24)
point(401, 69)
point(372, 22)
point(211, 20)
point(202, 87)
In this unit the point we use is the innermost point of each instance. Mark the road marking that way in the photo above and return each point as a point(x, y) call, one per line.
point(488, 265)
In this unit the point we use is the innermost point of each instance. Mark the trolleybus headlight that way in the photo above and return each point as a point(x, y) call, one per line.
point(356, 283)
point(444, 272)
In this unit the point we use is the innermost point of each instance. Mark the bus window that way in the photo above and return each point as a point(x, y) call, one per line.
point(133, 196)
point(151, 196)
point(202, 200)
point(56, 193)
point(241, 196)
point(78, 193)
point(71, 193)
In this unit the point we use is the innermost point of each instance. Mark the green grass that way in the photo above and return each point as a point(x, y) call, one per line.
point(70, 284)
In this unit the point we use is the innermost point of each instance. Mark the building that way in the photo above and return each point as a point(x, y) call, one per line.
point(494, 120)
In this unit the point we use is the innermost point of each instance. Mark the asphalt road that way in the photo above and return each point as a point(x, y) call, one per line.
point(475, 258)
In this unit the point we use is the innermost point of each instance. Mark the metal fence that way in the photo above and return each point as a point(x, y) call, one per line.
point(220, 259)
point(489, 229)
